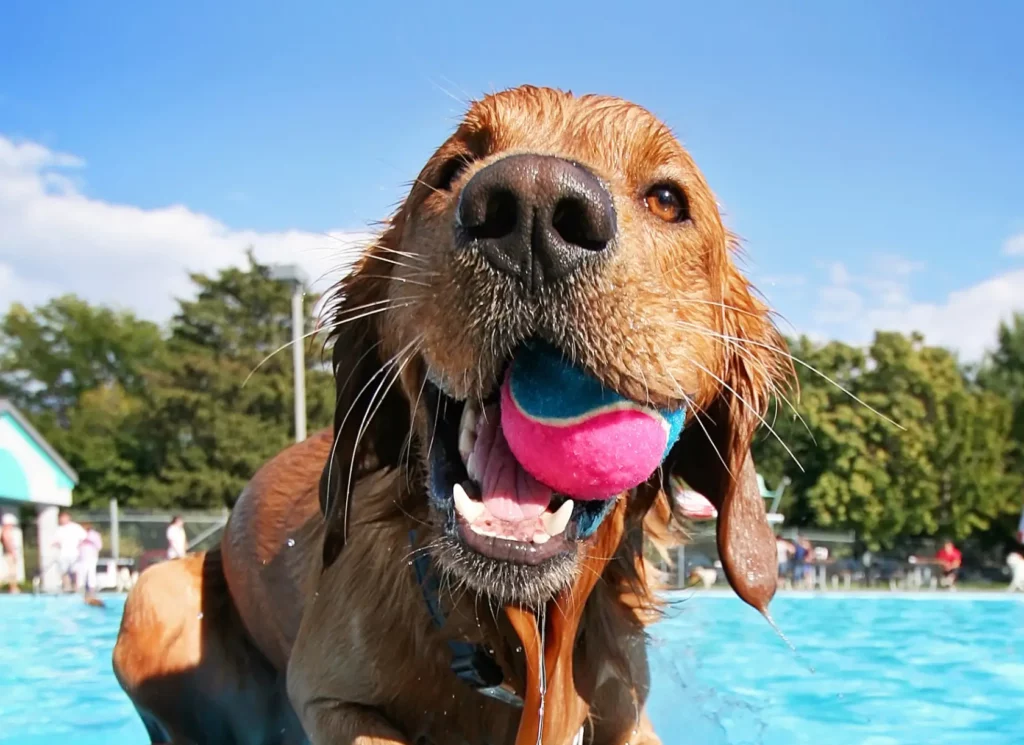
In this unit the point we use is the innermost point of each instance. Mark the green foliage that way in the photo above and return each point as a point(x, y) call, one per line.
point(172, 419)
point(52, 355)
point(946, 470)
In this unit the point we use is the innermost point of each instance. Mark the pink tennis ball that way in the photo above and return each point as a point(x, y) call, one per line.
point(576, 436)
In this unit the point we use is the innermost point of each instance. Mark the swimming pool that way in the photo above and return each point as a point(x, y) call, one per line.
point(887, 670)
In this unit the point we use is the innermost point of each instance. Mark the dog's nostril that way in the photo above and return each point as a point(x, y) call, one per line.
point(500, 216)
point(574, 223)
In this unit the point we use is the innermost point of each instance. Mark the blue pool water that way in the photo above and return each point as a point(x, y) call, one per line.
point(886, 671)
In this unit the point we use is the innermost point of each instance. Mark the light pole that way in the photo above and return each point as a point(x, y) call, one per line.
point(293, 275)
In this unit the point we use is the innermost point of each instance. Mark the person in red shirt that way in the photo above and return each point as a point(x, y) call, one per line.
point(949, 558)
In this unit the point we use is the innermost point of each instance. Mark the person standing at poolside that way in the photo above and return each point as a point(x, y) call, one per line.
point(949, 559)
point(783, 550)
point(88, 558)
point(67, 538)
point(11, 544)
point(177, 541)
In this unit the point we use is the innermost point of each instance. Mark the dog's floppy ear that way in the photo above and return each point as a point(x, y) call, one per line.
point(713, 454)
point(371, 419)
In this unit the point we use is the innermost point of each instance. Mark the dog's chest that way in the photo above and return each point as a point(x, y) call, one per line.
point(450, 713)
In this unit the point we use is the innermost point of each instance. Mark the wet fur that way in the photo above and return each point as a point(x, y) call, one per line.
point(668, 319)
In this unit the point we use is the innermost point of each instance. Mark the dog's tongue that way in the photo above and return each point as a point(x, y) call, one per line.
point(507, 491)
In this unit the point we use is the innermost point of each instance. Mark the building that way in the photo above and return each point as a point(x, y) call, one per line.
point(33, 474)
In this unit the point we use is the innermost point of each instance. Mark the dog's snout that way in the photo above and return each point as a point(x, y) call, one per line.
point(536, 217)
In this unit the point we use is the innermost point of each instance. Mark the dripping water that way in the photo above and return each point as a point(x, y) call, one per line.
point(543, 671)
point(792, 648)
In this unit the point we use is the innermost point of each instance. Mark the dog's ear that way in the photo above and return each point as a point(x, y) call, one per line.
point(371, 418)
point(713, 454)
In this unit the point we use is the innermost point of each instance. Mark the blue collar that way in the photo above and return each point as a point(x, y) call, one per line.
point(471, 663)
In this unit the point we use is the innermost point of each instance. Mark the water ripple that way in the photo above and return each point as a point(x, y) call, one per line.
point(869, 671)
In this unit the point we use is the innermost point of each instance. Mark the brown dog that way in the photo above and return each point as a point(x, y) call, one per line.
point(350, 600)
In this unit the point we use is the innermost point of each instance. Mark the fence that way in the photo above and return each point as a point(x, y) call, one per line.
point(131, 539)
point(698, 555)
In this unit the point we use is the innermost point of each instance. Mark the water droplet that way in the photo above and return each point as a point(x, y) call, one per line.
point(519, 648)
point(200, 615)
point(792, 647)
point(291, 542)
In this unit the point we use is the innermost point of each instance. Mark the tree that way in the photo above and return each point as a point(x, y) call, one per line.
point(212, 420)
point(175, 420)
point(51, 355)
point(1002, 372)
point(943, 472)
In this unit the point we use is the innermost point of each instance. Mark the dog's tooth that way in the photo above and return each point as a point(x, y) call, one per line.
point(471, 467)
point(465, 506)
point(541, 538)
point(555, 523)
point(467, 440)
point(467, 431)
point(483, 531)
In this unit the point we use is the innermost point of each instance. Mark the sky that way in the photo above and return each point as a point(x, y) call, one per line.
point(870, 156)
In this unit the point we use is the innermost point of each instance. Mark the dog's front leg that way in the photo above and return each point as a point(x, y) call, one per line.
point(337, 723)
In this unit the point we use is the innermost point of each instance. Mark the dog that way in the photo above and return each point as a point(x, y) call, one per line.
point(1015, 562)
point(352, 599)
point(126, 579)
point(704, 576)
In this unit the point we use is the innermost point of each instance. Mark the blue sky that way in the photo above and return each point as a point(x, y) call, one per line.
point(869, 154)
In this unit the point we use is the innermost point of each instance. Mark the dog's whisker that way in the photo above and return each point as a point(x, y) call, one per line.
point(750, 407)
point(409, 438)
point(691, 404)
point(403, 280)
point(341, 428)
point(392, 364)
point(802, 363)
point(394, 262)
point(361, 249)
point(280, 349)
point(324, 329)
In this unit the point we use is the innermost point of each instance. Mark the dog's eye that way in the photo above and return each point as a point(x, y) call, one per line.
point(667, 203)
point(451, 170)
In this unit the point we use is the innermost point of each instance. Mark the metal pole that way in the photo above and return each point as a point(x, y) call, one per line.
point(299, 362)
point(115, 531)
point(681, 571)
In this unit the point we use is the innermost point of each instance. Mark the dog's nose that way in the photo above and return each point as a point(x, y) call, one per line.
point(536, 217)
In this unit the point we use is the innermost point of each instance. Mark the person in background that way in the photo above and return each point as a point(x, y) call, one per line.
point(801, 556)
point(783, 550)
point(67, 538)
point(949, 559)
point(11, 544)
point(177, 541)
point(88, 558)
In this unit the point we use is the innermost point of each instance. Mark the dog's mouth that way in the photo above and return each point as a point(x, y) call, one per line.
point(488, 501)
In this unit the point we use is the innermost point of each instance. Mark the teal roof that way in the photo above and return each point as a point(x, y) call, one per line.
point(10, 470)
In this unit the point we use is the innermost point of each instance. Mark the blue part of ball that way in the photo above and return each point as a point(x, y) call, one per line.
point(676, 419)
point(546, 385)
point(590, 520)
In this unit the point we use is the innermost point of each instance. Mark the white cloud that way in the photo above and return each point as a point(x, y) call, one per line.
point(1014, 245)
point(55, 239)
point(852, 306)
point(966, 320)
